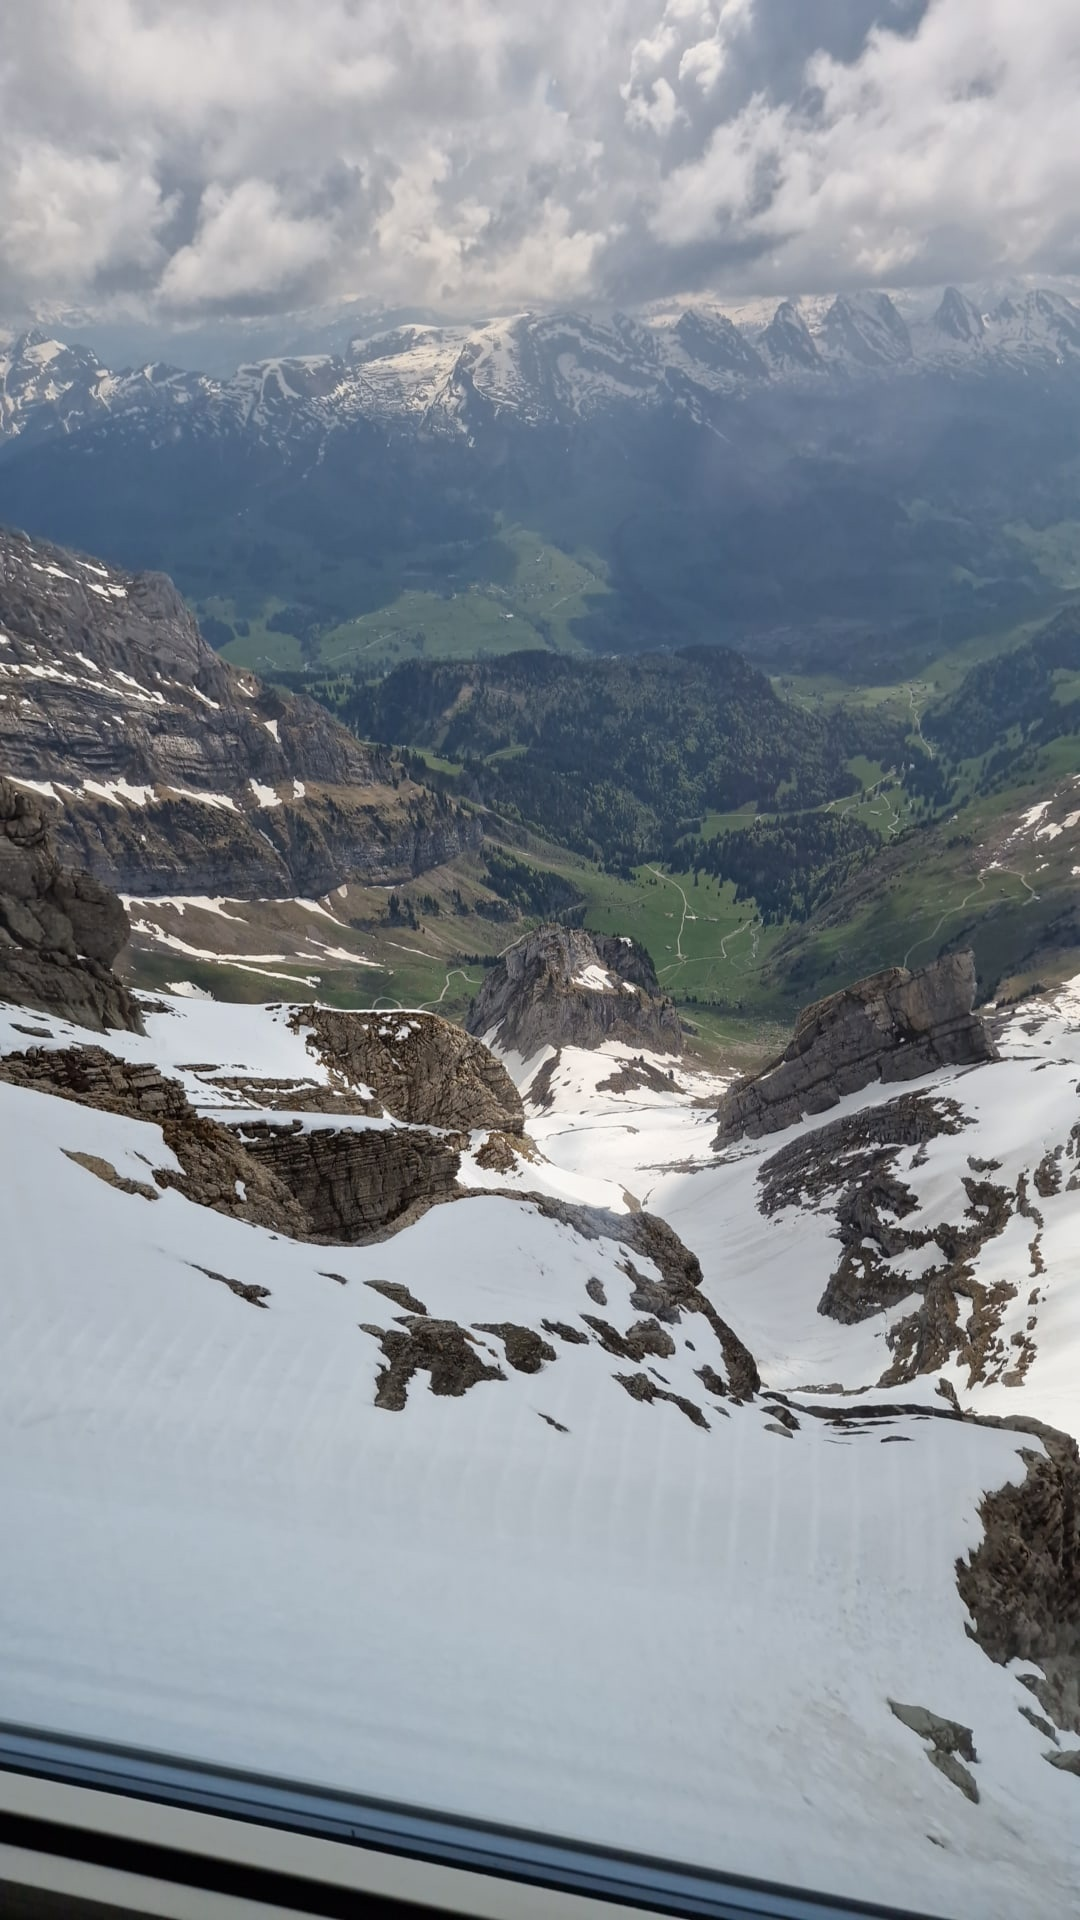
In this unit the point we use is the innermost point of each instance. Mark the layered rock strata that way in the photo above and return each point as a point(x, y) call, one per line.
point(894, 1025)
point(566, 987)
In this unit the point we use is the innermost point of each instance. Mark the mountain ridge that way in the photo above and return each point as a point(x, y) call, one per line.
point(163, 764)
point(538, 366)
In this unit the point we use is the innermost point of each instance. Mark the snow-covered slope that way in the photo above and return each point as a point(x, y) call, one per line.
point(673, 1623)
point(982, 1207)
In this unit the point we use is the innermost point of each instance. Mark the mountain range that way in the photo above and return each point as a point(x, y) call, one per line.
point(538, 367)
point(781, 481)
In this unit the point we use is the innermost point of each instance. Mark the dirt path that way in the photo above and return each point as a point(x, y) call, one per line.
point(451, 974)
point(916, 715)
point(972, 894)
point(843, 807)
point(734, 935)
point(686, 913)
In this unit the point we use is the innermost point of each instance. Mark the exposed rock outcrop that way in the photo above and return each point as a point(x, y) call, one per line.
point(452, 1354)
point(1022, 1584)
point(894, 1025)
point(59, 929)
point(679, 1289)
point(168, 770)
point(351, 1183)
point(440, 1348)
point(949, 1744)
point(566, 987)
point(419, 1066)
point(327, 1183)
point(94, 1078)
point(858, 1170)
point(214, 1171)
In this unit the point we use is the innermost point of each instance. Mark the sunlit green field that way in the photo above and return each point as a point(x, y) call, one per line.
point(522, 594)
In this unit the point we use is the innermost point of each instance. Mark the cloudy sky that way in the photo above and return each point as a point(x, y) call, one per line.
point(202, 157)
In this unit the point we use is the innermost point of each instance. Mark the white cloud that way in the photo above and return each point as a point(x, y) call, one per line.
point(955, 143)
point(499, 152)
point(247, 244)
point(654, 107)
point(66, 217)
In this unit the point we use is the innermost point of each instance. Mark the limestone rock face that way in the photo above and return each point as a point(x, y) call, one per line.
point(166, 770)
point(1022, 1584)
point(895, 1025)
point(351, 1183)
point(326, 1183)
point(566, 987)
point(419, 1066)
point(59, 929)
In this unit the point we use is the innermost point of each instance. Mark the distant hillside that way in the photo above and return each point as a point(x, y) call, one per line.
point(172, 772)
point(617, 757)
point(1014, 703)
point(830, 486)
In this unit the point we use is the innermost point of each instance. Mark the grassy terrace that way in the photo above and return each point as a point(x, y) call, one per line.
point(516, 592)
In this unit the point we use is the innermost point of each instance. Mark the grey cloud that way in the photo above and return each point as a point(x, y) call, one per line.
point(249, 156)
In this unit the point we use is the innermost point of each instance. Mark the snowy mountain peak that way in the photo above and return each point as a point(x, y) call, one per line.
point(537, 368)
point(958, 318)
point(868, 329)
point(714, 341)
point(788, 342)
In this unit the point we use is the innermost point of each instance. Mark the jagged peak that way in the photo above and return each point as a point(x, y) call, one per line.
point(788, 339)
point(959, 317)
point(868, 327)
point(564, 986)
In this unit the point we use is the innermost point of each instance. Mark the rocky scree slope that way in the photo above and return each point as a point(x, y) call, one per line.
point(563, 986)
point(169, 770)
point(60, 929)
point(894, 1025)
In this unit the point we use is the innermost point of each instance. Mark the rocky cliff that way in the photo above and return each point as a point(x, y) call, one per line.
point(894, 1025)
point(169, 771)
point(353, 1182)
point(329, 1183)
point(565, 987)
point(59, 928)
point(1021, 1585)
point(214, 1168)
point(419, 1066)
